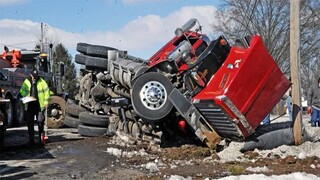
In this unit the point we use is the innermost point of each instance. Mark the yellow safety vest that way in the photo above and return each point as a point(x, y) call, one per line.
point(42, 88)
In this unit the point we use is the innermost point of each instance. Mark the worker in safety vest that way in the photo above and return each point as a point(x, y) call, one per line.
point(36, 87)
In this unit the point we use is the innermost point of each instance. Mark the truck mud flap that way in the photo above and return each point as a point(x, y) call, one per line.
point(203, 130)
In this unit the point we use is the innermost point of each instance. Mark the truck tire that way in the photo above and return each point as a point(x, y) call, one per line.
point(91, 131)
point(82, 47)
point(150, 96)
point(97, 62)
point(98, 51)
point(93, 119)
point(80, 58)
point(56, 112)
point(19, 113)
point(74, 110)
point(9, 112)
point(2, 134)
point(94, 50)
point(71, 121)
point(2, 131)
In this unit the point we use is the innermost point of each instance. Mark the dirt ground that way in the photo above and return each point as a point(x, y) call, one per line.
point(67, 155)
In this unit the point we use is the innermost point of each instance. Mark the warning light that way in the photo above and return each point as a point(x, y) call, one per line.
point(182, 124)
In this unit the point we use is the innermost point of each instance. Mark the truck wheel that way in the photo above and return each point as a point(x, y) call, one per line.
point(91, 131)
point(74, 110)
point(71, 121)
point(93, 119)
point(2, 130)
point(2, 133)
point(97, 62)
point(80, 58)
point(19, 113)
point(98, 51)
point(56, 112)
point(9, 112)
point(82, 47)
point(150, 96)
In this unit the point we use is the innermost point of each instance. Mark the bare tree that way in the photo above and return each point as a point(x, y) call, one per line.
point(270, 19)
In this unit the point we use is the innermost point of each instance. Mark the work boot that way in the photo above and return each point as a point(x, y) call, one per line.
point(41, 137)
point(313, 124)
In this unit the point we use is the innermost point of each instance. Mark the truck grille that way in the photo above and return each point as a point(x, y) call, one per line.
point(219, 120)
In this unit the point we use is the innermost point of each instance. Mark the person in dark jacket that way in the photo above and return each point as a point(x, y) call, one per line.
point(314, 103)
point(36, 87)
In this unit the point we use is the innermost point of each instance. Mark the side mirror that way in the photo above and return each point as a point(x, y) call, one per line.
point(61, 69)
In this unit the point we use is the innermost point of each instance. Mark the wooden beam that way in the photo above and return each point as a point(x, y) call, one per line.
point(295, 70)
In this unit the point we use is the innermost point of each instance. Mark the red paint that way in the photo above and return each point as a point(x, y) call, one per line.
point(251, 79)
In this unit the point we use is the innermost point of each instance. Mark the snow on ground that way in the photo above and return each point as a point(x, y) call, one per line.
point(292, 176)
point(232, 152)
point(310, 147)
point(307, 149)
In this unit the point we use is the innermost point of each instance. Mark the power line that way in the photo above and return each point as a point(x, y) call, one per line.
point(15, 45)
point(24, 43)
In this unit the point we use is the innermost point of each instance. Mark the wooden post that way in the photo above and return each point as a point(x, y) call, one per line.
point(295, 70)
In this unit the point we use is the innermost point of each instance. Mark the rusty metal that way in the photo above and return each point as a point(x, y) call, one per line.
point(212, 139)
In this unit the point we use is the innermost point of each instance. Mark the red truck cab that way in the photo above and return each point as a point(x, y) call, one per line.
point(245, 88)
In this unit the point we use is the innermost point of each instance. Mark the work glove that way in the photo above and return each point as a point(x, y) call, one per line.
point(309, 109)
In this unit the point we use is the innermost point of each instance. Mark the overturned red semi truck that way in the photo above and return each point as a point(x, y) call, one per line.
point(191, 86)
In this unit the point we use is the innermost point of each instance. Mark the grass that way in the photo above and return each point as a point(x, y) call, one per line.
point(236, 170)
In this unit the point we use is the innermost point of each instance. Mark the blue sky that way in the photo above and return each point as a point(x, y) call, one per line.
point(139, 26)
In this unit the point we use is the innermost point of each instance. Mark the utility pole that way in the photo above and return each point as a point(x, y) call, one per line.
point(295, 70)
point(41, 38)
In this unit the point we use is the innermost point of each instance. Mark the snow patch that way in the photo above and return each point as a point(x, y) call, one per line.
point(152, 167)
point(258, 169)
point(129, 154)
point(292, 176)
point(176, 177)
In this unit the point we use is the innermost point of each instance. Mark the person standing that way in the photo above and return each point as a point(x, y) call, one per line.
point(314, 103)
point(36, 87)
point(289, 104)
point(288, 98)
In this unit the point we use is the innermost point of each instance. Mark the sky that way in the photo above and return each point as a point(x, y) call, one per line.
point(139, 26)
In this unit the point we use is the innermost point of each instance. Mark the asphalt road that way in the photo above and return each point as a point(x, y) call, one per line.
point(67, 155)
